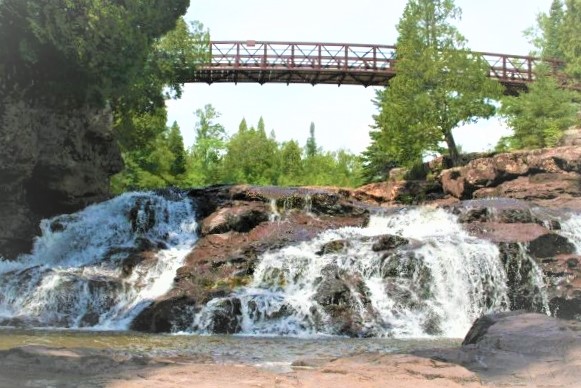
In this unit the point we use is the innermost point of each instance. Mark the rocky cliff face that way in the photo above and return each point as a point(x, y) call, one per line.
point(51, 162)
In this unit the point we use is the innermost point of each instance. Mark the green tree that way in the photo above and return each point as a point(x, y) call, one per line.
point(571, 39)
point(539, 117)
point(176, 146)
point(439, 85)
point(291, 164)
point(311, 146)
point(252, 157)
point(208, 149)
point(243, 127)
point(548, 34)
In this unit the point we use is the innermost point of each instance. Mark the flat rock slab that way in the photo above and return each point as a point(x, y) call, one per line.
point(520, 349)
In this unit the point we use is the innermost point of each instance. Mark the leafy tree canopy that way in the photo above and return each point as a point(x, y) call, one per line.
point(439, 85)
point(77, 51)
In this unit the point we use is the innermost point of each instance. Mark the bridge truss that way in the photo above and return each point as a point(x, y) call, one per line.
point(333, 63)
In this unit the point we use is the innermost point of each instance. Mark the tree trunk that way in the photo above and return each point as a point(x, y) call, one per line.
point(452, 149)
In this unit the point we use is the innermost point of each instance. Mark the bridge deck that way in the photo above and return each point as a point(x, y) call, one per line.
point(332, 63)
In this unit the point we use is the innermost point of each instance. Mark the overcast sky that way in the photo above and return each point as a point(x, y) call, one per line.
point(342, 115)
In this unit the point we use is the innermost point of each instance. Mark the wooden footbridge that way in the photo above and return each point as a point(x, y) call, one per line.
point(333, 63)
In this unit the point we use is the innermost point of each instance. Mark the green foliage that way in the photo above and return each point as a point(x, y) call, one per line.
point(539, 117)
point(439, 85)
point(570, 43)
point(547, 35)
point(176, 147)
point(292, 168)
point(206, 154)
point(156, 156)
point(251, 157)
point(79, 51)
point(311, 146)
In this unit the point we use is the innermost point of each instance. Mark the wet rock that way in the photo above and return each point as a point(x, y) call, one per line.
point(473, 215)
point(523, 292)
point(226, 316)
point(334, 246)
point(388, 242)
point(550, 245)
point(165, 316)
point(239, 218)
point(136, 258)
point(142, 216)
point(333, 291)
point(343, 298)
point(566, 308)
point(572, 262)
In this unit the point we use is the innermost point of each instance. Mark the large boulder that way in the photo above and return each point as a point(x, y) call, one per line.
point(520, 349)
point(343, 297)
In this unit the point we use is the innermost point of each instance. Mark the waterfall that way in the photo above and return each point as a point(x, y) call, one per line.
point(411, 273)
point(101, 266)
point(570, 228)
point(436, 283)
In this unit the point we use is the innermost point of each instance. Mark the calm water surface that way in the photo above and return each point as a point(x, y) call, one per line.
point(222, 349)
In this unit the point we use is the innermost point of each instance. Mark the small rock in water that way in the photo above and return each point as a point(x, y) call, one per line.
point(388, 242)
point(334, 246)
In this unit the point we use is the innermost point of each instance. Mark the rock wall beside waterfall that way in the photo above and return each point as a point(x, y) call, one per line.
point(51, 162)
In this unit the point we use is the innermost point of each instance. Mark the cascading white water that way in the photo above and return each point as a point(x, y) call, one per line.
point(86, 270)
point(570, 229)
point(438, 284)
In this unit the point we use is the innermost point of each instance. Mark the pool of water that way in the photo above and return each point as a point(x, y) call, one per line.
point(221, 349)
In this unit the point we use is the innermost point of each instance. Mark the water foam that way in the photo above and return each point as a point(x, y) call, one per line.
point(74, 276)
point(452, 279)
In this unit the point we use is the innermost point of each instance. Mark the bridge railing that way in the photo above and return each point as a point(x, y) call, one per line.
point(320, 56)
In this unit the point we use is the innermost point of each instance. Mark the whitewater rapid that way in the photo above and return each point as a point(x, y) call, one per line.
point(75, 277)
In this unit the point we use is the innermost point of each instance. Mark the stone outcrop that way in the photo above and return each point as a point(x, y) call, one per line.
point(519, 349)
point(545, 176)
point(52, 162)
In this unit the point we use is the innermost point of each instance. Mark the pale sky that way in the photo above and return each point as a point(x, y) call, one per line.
point(342, 115)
